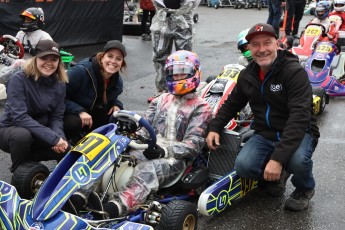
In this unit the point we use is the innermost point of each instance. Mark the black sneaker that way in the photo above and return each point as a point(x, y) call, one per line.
point(94, 204)
point(113, 208)
point(299, 200)
point(277, 188)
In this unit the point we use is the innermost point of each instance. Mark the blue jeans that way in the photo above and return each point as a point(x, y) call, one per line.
point(252, 159)
point(274, 14)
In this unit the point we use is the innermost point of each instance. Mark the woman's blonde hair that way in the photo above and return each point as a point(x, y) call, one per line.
point(99, 57)
point(30, 69)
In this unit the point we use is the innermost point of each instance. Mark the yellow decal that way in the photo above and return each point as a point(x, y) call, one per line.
point(91, 145)
point(324, 48)
point(230, 73)
point(313, 31)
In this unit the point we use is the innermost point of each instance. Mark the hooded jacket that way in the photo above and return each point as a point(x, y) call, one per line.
point(83, 89)
point(282, 104)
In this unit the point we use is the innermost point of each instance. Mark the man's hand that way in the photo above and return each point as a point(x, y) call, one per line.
point(273, 170)
point(212, 140)
point(154, 153)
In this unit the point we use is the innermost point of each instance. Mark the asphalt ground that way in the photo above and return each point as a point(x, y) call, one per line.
point(215, 43)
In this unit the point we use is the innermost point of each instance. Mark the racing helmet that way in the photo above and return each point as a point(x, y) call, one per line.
point(182, 62)
point(322, 10)
point(242, 44)
point(32, 19)
point(339, 5)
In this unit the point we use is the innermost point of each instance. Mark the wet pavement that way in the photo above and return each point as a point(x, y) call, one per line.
point(215, 43)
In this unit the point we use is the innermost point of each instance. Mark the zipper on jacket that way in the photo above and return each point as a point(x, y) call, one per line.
point(263, 97)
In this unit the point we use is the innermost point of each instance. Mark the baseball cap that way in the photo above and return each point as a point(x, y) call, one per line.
point(45, 47)
point(261, 28)
point(115, 44)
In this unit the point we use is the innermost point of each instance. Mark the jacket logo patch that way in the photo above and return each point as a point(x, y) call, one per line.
point(276, 88)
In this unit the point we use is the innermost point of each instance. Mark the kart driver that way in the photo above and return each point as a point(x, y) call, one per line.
point(280, 96)
point(242, 45)
point(321, 13)
point(179, 118)
point(31, 30)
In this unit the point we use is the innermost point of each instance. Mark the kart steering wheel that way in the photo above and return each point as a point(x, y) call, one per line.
point(130, 117)
point(12, 46)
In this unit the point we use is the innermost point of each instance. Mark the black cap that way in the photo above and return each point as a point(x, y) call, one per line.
point(45, 47)
point(261, 28)
point(115, 44)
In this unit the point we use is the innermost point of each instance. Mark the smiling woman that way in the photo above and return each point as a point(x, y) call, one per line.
point(31, 126)
point(93, 90)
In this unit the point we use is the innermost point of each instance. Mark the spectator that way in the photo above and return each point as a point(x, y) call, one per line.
point(31, 126)
point(280, 96)
point(274, 14)
point(93, 90)
point(148, 13)
point(294, 10)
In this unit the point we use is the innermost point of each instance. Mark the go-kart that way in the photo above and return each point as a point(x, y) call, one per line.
point(98, 152)
point(325, 67)
point(312, 34)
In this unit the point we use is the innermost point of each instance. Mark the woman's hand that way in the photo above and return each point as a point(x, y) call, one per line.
point(61, 146)
point(113, 109)
point(86, 119)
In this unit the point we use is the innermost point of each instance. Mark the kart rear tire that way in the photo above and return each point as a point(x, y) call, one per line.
point(323, 98)
point(28, 178)
point(177, 215)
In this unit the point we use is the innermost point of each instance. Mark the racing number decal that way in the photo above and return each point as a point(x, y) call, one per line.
point(313, 31)
point(91, 145)
point(324, 48)
point(230, 73)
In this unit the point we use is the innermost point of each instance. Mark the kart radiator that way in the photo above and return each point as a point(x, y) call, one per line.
point(222, 160)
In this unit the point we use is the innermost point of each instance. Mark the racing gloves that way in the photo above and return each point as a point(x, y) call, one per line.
point(154, 153)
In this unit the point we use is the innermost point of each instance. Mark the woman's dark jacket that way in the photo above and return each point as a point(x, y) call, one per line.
point(84, 87)
point(37, 106)
point(282, 104)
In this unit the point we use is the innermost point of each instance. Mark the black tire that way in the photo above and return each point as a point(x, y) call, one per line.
point(312, 11)
point(196, 18)
point(177, 215)
point(28, 178)
point(216, 6)
point(320, 92)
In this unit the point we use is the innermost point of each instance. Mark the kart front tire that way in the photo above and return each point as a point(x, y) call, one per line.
point(28, 178)
point(177, 215)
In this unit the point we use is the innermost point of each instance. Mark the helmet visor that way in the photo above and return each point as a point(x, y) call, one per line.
point(178, 67)
point(28, 14)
